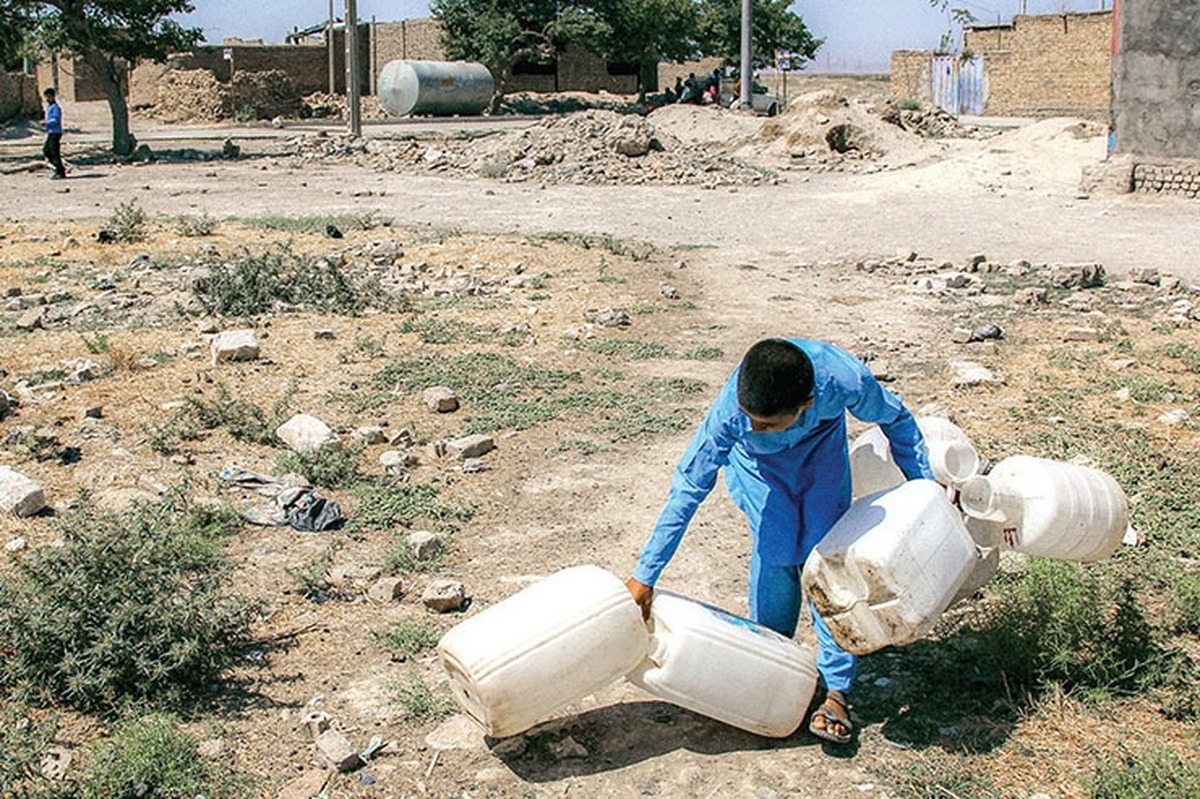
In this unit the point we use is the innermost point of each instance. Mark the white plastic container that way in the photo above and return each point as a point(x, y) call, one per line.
point(516, 663)
point(889, 567)
point(726, 667)
point(1050, 508)
point(951, 456)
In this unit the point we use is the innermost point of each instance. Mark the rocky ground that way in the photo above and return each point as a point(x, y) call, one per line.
point(583, 329)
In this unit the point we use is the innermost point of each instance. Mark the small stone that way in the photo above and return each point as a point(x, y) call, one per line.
point(208, 327)
point(1081, 276)
point(324, 335)
point(610, 317)
point(670, 292)
point(395, 461)
point(1146, 275)
point(440, 399)
point(567, 748)
point(370, 435)
point(1081, 334)
point(1120, 364)
point(477, 465)
point(1174, 418)
point(336, 749)
point(471, 446)
point(304, 433)
point(234, 345)
point(1031, 296)
point(31, 319)
point(93, 412)
point(960, 335)
point(426, 545)
point(970, 373)
point(444, 596)
point(385, 590)
point(309, 784)
point(1122, 395)
point(19, 495)
point(401, 438)
point(16, 545)
point(974, 261)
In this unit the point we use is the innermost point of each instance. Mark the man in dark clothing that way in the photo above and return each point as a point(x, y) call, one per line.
point(54, 131)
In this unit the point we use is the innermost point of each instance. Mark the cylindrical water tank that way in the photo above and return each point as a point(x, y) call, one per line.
point(435, 88)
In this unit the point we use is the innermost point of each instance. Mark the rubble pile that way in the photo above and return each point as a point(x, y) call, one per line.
point(930, 122)
point(191, 95)
point(264, 95)
point(592, 147)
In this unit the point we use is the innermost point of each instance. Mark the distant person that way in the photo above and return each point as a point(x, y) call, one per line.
point(52, 149)
point(678, 86)
point(691, 90)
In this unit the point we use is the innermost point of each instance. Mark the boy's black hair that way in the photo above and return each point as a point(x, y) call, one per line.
point(49, 92)
point(776, 378)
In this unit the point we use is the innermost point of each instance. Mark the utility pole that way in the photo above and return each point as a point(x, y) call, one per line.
point(353, 90)
point(747, 68)
point(329, 47)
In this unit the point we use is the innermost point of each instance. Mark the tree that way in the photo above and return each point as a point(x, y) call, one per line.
point(15, 26)
point(110, 37)
point(644, 32)
point(774, 27)
point(503, 33)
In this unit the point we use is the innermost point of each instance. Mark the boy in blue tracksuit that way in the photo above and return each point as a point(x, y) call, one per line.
point(52, 149)
point(778, 427)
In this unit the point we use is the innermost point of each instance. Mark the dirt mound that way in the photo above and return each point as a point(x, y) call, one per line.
point(930, 122)
point(697, 124)
point(591, 147)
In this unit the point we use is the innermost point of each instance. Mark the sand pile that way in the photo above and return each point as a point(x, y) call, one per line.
point(592, 147)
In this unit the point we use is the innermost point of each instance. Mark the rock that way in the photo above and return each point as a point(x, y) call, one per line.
point(324, 335)
point(82, 370)
point(395, 461)
point(1123, 395)
point(234, 345)
point(1081, 334)
point(31, 319)
point(1146, 275)
point(336, 749)
point(93, 412)
point(16, 545)
point(309, 784)
point(470, 446)
point(970, 373)
point(440, 399)
point(426, 545)
point(444, 596)
point(304, 433)
point(567, 748)
point(385, 590)
point(401, 438)
point(208, 327)
point(610, 317)
point(56, 763)
point(1081, 276)
point(670, 292)
point(974, 261)
point(1031, 296)
point(474, 466)
point(1120, 364)
point(19, 495)
point(370, 435)
point(1174, 418)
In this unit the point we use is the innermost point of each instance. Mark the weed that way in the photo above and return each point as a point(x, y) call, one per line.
point(244, 421)
point(97, 345)
point(401, 558)
point(420, 703)
point(127, 223)
point(1184, 604)
point(312, 579)
point(150, 756)
point(258, 283)
point(24, 738)
point(703, 354)
point(937, 777)
point(433, 331)
point(493, 169)
point(626, 348)
point(407, 638)
point(1184, 352)
point(1153, 774)
point(319, 224)
point(384, 505)
point(365, 348)
point(583, 446)
point(360, 401)
point(129, 609)
point(195, 226)
point(331, 467)
point(644, 310)
point(909, 104)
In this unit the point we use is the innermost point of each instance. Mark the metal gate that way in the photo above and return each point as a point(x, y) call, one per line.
point(958, 84)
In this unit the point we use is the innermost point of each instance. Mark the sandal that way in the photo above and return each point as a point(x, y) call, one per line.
point(829, 712)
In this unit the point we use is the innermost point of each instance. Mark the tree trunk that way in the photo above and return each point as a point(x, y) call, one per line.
point(498, 95)
point(114, 79)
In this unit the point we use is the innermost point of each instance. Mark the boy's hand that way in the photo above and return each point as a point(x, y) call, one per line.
point(643, 595)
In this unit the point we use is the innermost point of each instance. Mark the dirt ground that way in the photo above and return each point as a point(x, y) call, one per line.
point(830, 254)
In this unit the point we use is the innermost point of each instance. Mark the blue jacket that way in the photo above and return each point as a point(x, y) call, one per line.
point(841, 383)
point(54, 118)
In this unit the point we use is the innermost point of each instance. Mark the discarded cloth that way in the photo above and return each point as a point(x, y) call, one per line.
point(300, 507)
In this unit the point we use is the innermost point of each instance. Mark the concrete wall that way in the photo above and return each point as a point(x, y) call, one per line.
point(1156, 109)
point(910, 78)
point(1047, 64)
point(19, 96)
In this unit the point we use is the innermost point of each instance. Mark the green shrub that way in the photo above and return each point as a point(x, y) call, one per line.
point(195, 226)
point(401, 558)
point(1155, 774)
point(407, 638)
point(1184, 604)
point(244, 421)
point(384, 505)
point(331, 467)
point(129, 609)
point(937, 777)
point(24, 738)
point(420, 703)
point(149, 756)
point(127, 223)
point(1063, 623)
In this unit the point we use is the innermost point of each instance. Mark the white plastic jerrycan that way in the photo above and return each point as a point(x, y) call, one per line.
point(890, 566)
point(1050, 508)
point(517, 662)
point(726, 667)
point(952, 457)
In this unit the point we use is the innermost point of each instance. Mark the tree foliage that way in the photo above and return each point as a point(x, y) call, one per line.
point(644, 32)
point(109, 36)
point(774, 25)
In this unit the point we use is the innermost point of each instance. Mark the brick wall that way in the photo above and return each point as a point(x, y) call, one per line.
point(1168, 176)
point(1047, 64)
point(19, 96)
point(74, 80)
point(909, 77)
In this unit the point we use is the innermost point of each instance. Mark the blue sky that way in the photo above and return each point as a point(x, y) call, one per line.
point(859, 34)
